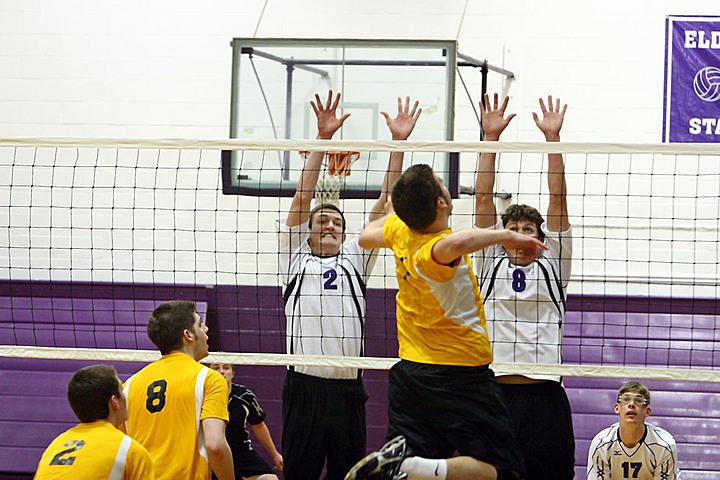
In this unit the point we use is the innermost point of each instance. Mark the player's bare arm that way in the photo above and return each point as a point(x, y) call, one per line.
point(372, 236)
point(401, 126)
point(457, 244)
point(219, 453)
point(262, 433)
point(494, 123)
point(550, 125)
point(327, 124)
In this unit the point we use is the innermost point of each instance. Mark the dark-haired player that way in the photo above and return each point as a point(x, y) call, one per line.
point(95, 449)
point(443, 397)
point(325, 278)
point(177, 408)
point(524, 298)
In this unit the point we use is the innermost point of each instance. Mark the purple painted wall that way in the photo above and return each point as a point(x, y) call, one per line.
point(636, 331)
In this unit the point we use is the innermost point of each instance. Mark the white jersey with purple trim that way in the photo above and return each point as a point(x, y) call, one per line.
point(525, 306)
point(324, 299)
point(653, 458)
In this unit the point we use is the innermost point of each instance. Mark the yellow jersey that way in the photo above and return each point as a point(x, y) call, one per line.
point(167, 400)
point(440, 314)
point(94, 451)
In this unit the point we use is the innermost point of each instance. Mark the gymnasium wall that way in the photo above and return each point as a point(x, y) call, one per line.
point(599, 330)
point(162, 69)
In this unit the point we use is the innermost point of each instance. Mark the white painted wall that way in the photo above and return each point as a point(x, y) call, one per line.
point(162, 69)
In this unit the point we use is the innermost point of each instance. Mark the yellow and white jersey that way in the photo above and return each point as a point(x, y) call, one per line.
point(167, 400)
point(439, 309)
point(94, 451)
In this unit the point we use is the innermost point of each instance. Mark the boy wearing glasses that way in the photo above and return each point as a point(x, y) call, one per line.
point(632, 448)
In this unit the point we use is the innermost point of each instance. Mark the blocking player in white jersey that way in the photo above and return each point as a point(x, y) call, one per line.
point(524, 299)
point(324, 294)
point(632, 448)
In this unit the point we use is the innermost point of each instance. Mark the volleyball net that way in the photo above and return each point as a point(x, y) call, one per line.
point(99, 232)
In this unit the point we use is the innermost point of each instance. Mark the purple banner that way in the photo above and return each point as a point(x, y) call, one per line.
point(692, 80)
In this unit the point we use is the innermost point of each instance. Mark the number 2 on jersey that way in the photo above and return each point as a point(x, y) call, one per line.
point(330, 276)
point(74, 445)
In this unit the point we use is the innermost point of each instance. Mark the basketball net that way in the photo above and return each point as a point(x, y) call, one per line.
point(332, 179)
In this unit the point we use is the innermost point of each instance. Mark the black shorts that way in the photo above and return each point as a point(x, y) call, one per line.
point(541, 411)
point(248, 463)
point(443, 409)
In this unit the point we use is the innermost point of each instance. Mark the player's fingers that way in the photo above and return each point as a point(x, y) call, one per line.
point(542, 106)
point(495, 101)
point(415, 107)
point(483, 103)
point(336, 102)
point(416, 115)
point(505, 104)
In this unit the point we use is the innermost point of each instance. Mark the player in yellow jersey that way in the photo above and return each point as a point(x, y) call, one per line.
point(443, 345)
point(177, 408)
point(95, 449)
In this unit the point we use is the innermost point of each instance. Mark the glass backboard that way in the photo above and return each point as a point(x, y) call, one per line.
point(273, 81)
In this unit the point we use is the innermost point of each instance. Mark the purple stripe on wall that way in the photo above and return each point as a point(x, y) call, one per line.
point(599, 330)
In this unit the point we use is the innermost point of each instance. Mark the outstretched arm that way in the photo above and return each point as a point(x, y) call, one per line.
point(494, 123)
point(448, 250)
point(263, 435)
point(550, 125)
point(328, 123)
point(372, 236)
point(400, 127)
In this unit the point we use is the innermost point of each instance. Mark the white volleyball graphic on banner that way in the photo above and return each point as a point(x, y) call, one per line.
point(707, 84)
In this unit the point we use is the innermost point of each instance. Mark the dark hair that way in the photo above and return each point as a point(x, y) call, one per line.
point(515, 213)
point(168, 322)
point(89, 392)
point(326, 206)
point(415, 195)
point(635, 387)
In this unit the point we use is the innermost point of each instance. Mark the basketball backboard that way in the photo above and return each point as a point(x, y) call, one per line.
point(273, 81)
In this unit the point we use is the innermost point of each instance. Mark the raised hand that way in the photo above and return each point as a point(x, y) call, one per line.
point(493, 117)
point(552, 119)
point(531, 246)
point(403, 124)
point(327, 121)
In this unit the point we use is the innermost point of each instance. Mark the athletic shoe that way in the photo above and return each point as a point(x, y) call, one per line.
point(383, 464)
